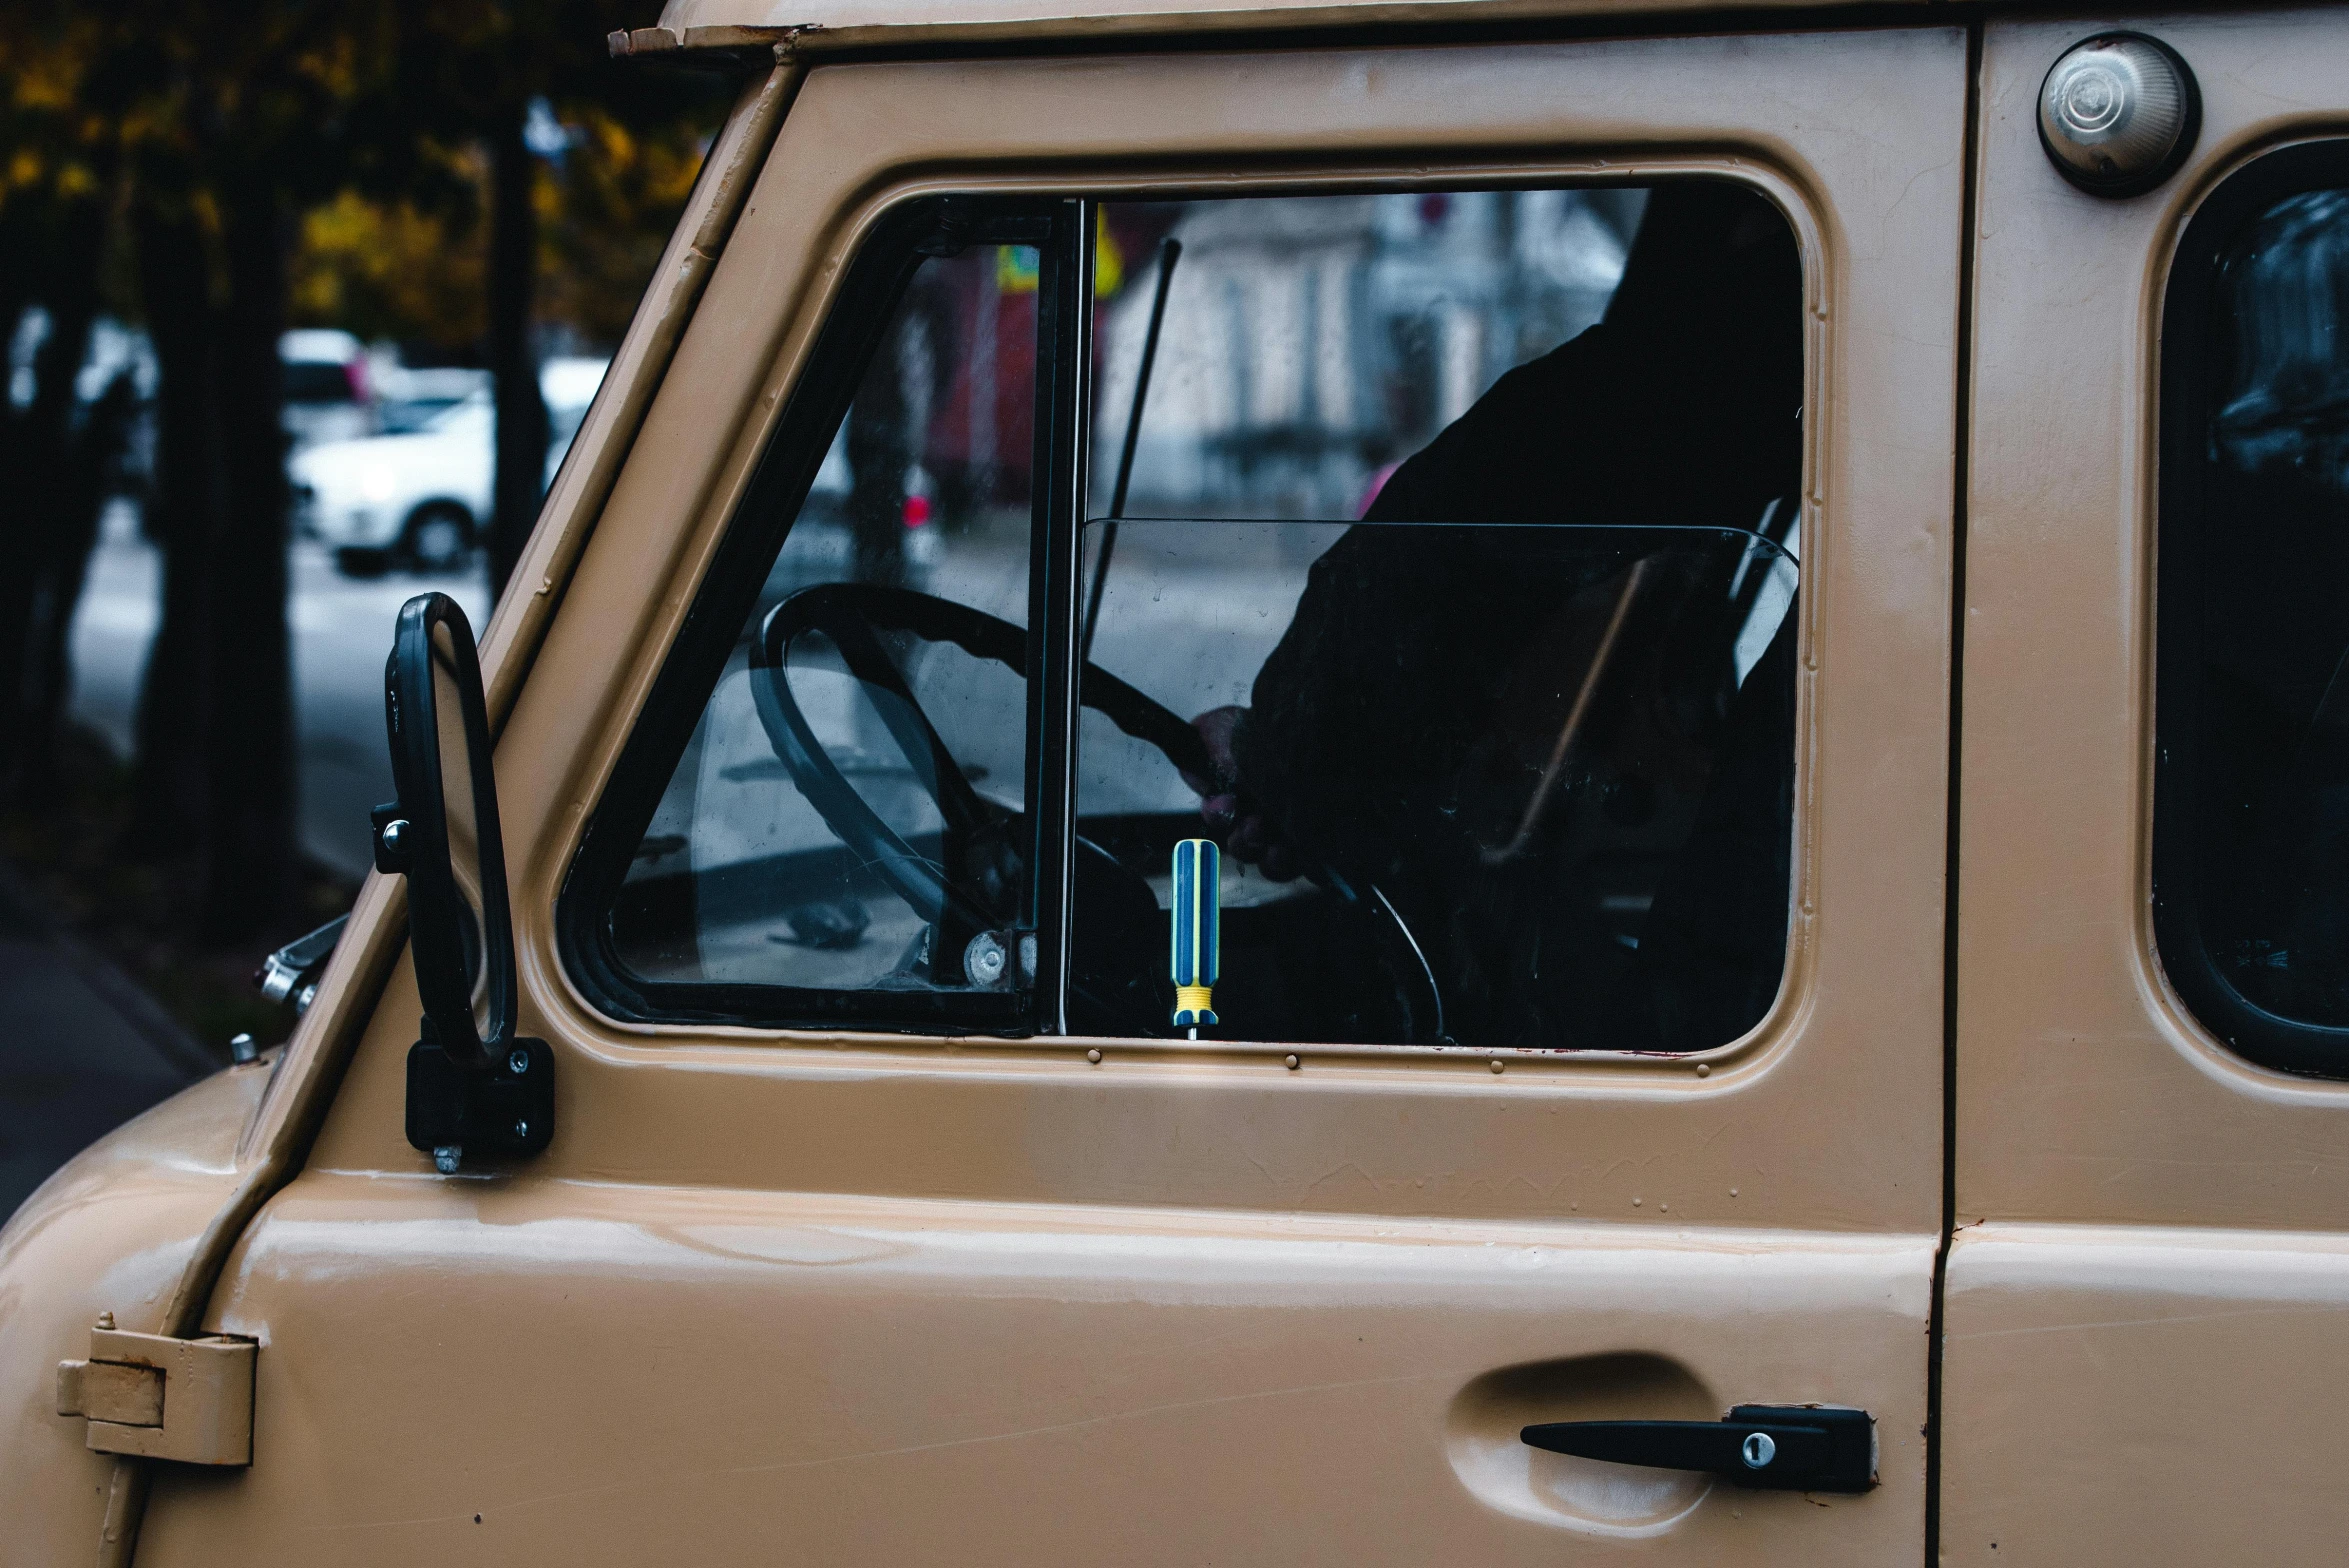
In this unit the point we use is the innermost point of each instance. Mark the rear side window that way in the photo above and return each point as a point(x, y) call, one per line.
point(2251, 852)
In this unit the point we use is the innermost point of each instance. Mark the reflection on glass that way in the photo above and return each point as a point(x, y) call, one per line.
point(1313, 342)
point(1487, 766)
point(1563, 822)
point(746, 877)
point(2271, 831)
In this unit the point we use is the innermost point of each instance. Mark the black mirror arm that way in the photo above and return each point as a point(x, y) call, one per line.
point(432, 630)
point(471, 1088)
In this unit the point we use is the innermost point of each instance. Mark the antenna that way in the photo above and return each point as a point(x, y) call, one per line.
point(1168, 254)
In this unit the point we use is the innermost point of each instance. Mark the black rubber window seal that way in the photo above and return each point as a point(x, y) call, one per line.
point(883, 267)
point(2187, 390)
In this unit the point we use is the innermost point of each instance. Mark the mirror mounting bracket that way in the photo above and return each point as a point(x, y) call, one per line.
point(457, 1113)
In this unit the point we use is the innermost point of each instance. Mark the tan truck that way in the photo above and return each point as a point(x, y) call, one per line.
point(1726, 585)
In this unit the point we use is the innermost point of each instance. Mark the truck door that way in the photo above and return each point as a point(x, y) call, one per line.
point(1576, 1046)
point(2146, 1336)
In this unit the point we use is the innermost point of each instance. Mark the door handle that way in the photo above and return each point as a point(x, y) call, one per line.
point(1791, 1448)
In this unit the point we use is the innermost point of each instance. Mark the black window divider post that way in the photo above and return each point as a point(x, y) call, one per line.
point(1065, 349)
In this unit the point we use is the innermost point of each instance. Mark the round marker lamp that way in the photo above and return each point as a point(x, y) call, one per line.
point(2118, 113)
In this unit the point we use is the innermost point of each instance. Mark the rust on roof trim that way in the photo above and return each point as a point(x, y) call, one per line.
point(721, 44)
point(715, 31)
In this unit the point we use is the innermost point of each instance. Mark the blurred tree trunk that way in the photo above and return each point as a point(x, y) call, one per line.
point(169, 788)
point(38, 470)
point(521, 408)
point(249, 744)
point(88, 468)
point(215, 726)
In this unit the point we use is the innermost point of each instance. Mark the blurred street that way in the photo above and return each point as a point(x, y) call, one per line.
point(441, 237)
point(85, 1050)
point(342, 630)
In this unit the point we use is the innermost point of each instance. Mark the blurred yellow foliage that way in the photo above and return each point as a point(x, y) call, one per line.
point(386, 270)
point(389, 270)
point(605, 217)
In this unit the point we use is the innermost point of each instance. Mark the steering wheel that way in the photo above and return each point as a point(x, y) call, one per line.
point(973, 886)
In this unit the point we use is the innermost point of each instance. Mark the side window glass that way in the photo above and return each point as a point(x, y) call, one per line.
point(844, 833)
point(2251, 862)
point(1442, 570)
point(1460, 529)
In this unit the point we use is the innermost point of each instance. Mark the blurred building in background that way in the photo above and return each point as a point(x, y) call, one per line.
point(1313, 342)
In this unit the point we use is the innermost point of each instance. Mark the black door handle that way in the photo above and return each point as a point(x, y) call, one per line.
point(1792, 1448)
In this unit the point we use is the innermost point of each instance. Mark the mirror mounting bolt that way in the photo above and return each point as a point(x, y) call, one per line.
point(446, 1158)
point(391, 839)
point(519, 1063)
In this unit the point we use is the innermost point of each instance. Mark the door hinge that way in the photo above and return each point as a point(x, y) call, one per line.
point(163, 1398)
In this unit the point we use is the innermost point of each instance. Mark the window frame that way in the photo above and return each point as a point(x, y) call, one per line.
point(1063, 229)
point(900, 240)
point(2190, 312)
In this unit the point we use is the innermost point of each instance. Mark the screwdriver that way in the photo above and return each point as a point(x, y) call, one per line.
point(1197, 918)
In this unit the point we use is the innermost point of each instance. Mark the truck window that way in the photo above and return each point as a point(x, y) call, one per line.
point(799, 862)
point(1450, 588)
point(2251, 846)
point(1468, 541)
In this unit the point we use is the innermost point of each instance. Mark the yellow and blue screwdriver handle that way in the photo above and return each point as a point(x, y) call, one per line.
point(1198, 932)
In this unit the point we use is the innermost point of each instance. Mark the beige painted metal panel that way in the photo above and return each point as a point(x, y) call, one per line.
point(108, 1233)
point(831, 1298)
point(2135, 1394)
point(1853, 1044)
point(2089, 1104)
point(662, 1374)
point(2085, 1093)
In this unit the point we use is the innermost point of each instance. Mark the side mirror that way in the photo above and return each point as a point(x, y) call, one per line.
point(474, 1086)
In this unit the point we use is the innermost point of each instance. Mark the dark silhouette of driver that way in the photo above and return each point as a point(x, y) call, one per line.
point(1682, 407)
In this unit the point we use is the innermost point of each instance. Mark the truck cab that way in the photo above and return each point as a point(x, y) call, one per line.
point(1748, 604)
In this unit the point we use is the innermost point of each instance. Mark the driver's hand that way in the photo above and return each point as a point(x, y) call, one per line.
point(1248, 836)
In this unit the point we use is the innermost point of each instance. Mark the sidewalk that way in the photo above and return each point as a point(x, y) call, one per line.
point(82, 1049)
